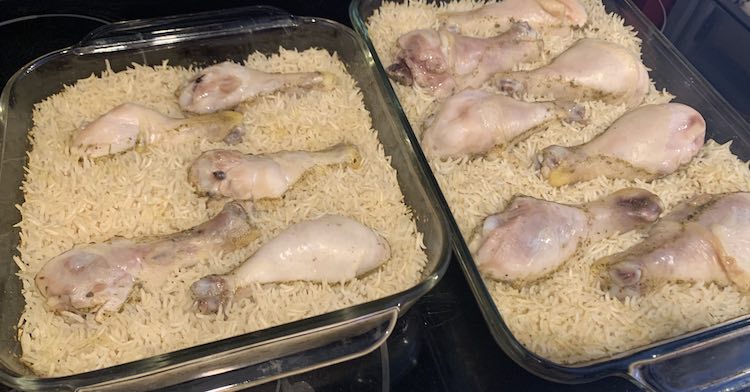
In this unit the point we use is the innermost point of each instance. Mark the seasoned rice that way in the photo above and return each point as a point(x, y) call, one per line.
point(567, 318)
point(146, 193)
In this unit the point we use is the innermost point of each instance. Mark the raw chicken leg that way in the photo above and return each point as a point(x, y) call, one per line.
point(474, 121)
point(240, 176)
point(331, 248)
point(101, 276)
point(591, 69)
point(129, 125)
point(538, 13)
point(646, 143)
point(443, 62)
point(705, 239)
point(226, 85)
point(533, 237)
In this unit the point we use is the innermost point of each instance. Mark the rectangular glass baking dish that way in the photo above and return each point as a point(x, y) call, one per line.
point(202, 39)
point(712, 358)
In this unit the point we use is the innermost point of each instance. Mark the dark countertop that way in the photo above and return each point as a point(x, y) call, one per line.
point(442, 344)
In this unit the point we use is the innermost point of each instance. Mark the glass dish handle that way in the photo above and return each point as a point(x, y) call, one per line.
point(273, 359)
point(718, 364)
point(144, 33)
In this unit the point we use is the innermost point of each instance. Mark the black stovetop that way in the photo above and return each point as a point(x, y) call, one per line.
point(441, 344)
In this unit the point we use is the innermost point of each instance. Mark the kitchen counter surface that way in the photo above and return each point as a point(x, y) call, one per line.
point(442, 344)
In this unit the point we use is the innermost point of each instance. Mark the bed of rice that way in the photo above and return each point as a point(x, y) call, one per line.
point(146, 193)
point(567, 318)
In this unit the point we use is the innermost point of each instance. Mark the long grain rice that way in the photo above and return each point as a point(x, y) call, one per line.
point(137, 194)
point(567, 318)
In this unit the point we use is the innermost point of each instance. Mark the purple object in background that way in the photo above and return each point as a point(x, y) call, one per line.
point(656, 10)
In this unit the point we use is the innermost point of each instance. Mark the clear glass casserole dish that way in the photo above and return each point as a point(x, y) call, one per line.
point(710, 358)
point(203, 39)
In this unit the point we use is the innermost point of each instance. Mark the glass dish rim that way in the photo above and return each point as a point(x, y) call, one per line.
point(586, 371)
point(159, 362)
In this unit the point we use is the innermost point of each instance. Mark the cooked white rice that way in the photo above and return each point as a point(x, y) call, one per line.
point(137, 194)
point(567, 318)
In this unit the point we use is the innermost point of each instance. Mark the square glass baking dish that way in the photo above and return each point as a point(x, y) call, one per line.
point(711, 358)
point(202, 39)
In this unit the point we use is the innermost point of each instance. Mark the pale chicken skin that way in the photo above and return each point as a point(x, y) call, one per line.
point(239, 176)
point(332, 248)
point(649, 142)
point(532, 238)
point(100, 277)
point(131, 125)
point(442, 62)
point(705, 239)
point(226, 85)
point(540, 14)
point(473, 122)
point(591, 69)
